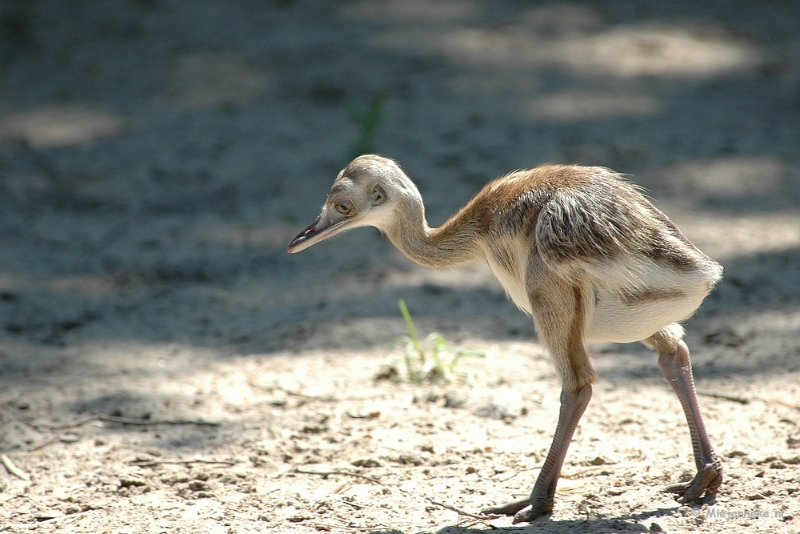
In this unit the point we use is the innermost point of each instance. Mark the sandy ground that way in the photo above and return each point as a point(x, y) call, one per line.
point(165, 366)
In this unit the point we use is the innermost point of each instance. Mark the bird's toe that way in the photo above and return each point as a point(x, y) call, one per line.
point(529, 513)
point(510, 508)
point(707, 480)
point(524, 511)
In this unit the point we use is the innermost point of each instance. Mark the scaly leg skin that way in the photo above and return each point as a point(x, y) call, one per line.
point(677, 369)
point(541, 500)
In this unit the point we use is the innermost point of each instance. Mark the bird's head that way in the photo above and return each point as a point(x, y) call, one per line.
point(365, 193)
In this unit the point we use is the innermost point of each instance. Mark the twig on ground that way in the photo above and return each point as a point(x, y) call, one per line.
point(69, 517)
point(479, 518)
point(744, 400)
point(343, 473)
point(13, 469)
point(779, 401)
point(150, 463)
point(327, 528)
point(484, 522)
point(320, 398)
point(45, 443)
point(121, 420)
point(147, 422)
point(39, 426)
point(732, 398)
point(515, 473)
point(582, 472)
point(354, 505)
point(331, 398)
point(458, 511)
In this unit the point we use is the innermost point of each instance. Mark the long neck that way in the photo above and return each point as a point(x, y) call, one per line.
point(454, 243)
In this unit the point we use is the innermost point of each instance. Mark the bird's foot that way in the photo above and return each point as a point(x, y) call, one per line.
point(707, 480)
point(523, 511)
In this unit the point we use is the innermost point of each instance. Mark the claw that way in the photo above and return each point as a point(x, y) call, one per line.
point(523, 511)
point(528, 514)
point(507, 509)
point(707, 480)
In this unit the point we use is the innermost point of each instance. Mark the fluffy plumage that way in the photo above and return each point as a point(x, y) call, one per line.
point(578, 248)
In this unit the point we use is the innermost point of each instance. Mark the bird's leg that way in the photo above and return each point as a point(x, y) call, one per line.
point(541, 498)
point(677, 369)
point(559, 313)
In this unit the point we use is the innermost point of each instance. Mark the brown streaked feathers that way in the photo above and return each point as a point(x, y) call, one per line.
point(579, 249)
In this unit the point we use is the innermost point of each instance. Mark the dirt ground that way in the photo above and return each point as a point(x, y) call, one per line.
point(165, 365)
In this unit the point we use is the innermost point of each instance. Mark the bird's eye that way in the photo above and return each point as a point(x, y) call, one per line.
point(345, 208)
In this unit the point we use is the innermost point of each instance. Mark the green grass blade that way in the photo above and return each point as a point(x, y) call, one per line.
point(412, 331)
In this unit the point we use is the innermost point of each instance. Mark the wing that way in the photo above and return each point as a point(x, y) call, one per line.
point(606, 231)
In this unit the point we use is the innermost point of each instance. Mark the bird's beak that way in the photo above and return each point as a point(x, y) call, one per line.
point(322, 228)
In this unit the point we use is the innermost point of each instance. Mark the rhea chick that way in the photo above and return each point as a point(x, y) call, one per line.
point(577, 248)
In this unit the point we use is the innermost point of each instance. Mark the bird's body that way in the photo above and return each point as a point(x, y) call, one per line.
point(578, 248)
point(589, 226)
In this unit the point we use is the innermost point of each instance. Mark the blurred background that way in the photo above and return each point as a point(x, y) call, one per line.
point(156, 156)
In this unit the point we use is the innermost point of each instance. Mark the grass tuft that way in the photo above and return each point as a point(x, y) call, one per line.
point(431, 359)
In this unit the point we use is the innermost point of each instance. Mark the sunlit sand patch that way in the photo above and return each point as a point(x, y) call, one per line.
point(55, 126)
point(744, 234)
point(209, 79)
point(654, 51)
point(582, 105)
point(83, 284)
point(624, 51)
point(725, 177)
